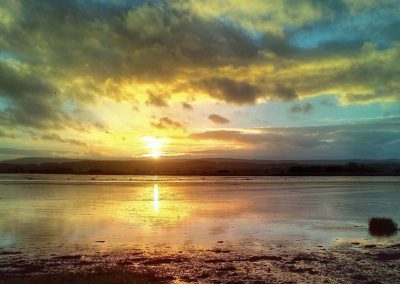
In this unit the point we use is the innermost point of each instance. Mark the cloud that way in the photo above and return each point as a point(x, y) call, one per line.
point(298, 108)
point(258, 15)
point(64, 65)
point(11, 153)
point(58, 138)
point(5, 134)
point(257, 52)
point(30, 99)
point(217, 119)
point(167, 123)
point(156, 100)
point(187, 106)
point(232, 91)
point(228, 135)
point(365, 140)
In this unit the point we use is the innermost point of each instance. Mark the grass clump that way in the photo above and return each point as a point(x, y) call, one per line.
point(382, 227)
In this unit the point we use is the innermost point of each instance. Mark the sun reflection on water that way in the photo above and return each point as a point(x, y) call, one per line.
point(155, 201)
point(155, 205)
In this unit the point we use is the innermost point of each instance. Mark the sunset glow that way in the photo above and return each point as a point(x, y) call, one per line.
point(154, 145)
point(239, 79)
point(201, 141)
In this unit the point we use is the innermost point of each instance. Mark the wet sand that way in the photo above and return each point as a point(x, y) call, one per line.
point(225, 262)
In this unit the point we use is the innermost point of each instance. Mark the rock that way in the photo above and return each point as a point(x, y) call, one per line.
point(382, 227)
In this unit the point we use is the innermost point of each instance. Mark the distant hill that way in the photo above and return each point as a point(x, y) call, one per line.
point(36, 160)
point(169, 166)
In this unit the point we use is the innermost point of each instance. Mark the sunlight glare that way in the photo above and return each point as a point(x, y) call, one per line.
point(155, 145)
point(155, 200)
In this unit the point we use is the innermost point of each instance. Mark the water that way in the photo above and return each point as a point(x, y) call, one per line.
point(68, 210)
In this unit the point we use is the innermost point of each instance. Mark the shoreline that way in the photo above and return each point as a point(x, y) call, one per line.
point(257, 261)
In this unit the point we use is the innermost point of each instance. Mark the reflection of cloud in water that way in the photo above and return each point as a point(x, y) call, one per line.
point(161, 211)
point(70, 213)
point(58, 213)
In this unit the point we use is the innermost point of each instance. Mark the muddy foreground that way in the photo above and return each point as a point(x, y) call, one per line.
point(224, 262)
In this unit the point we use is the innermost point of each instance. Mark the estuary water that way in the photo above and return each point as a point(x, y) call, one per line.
point(50, 211)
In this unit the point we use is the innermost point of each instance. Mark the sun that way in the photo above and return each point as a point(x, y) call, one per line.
point(154, 145)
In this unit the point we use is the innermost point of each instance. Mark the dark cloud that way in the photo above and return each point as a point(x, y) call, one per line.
point(162, 41)
point(104, 43)
point(30, 99)
point(187, 106)
point(218, 119)
point(106, 40)
point(156, 100)
point(231, 91)
point(58, 138)
point(241, 92)
point(166, 122)
point(284, 93)
point(305, 108)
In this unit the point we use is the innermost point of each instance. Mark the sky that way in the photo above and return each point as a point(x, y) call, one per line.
point(255, 79)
